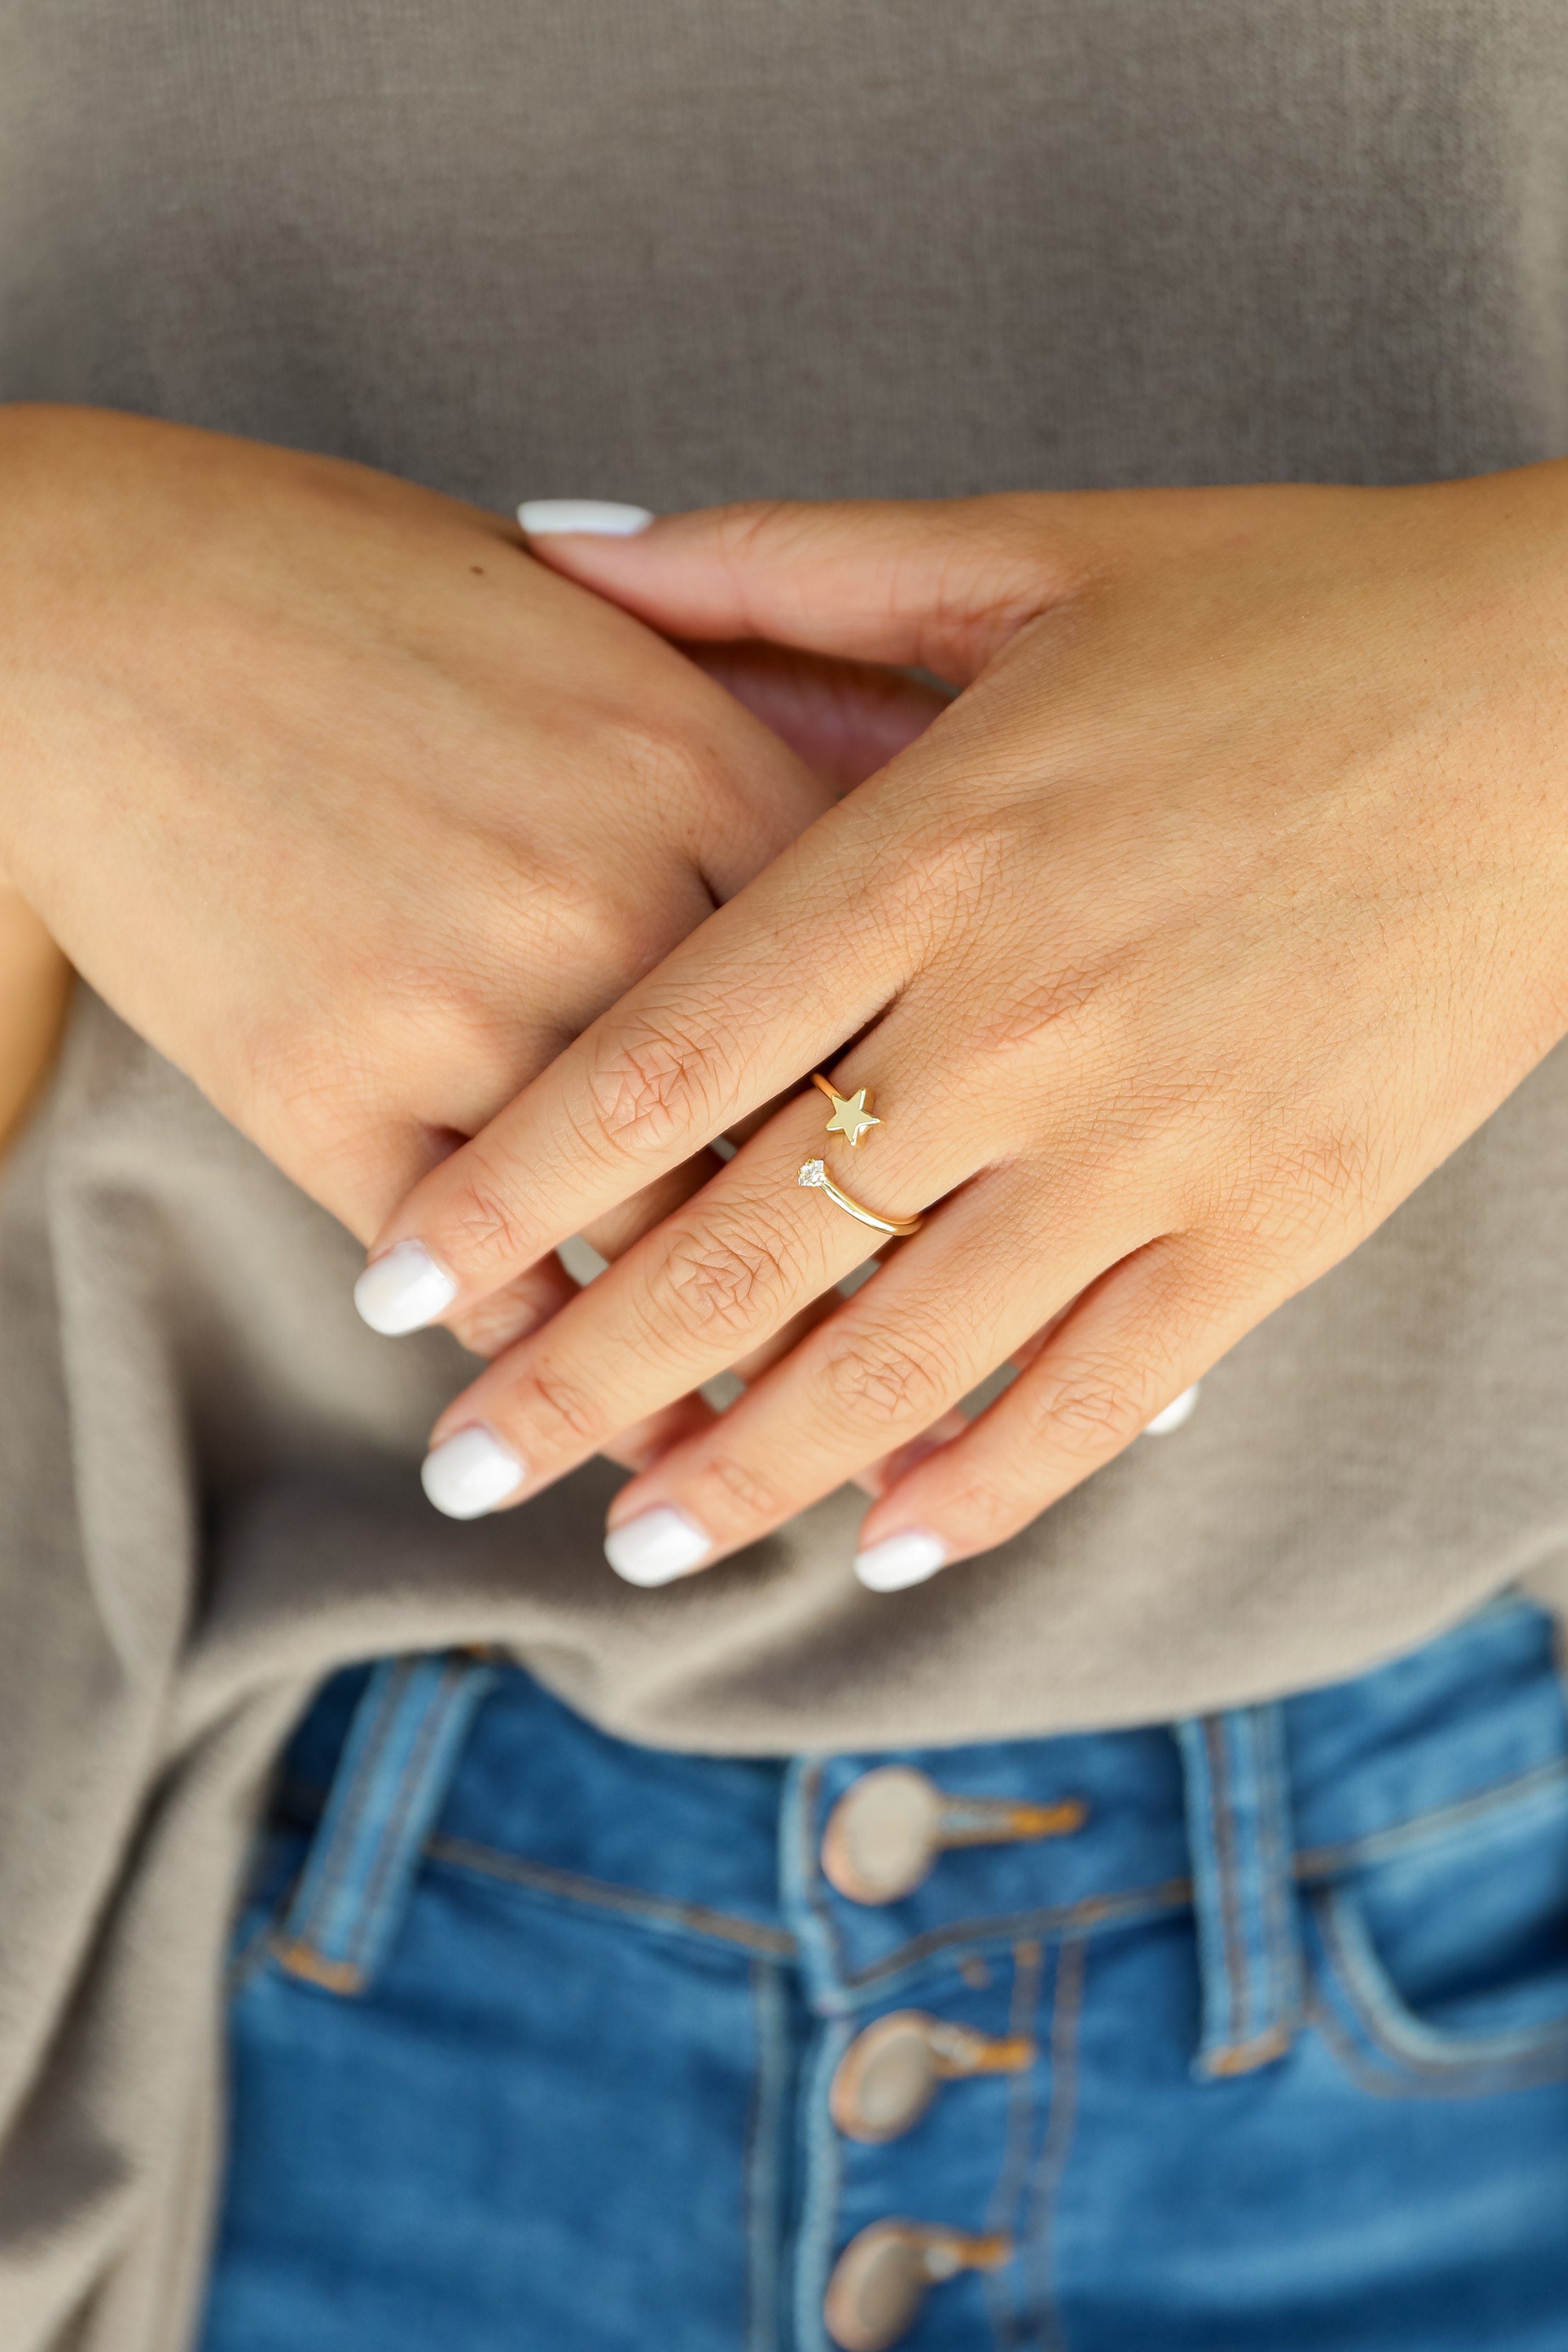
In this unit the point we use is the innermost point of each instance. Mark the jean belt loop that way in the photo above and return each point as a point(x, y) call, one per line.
point(1244, 1896)
point(404, 1745)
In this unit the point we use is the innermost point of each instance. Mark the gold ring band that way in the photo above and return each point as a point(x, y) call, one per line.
point(814, 1175)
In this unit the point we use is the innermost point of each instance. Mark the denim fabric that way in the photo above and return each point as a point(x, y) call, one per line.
point(1291, 2002)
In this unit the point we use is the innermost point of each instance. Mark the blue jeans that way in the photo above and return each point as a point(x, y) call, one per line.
point(1249, 2035)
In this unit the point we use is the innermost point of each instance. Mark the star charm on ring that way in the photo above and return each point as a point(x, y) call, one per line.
point(852, 1113)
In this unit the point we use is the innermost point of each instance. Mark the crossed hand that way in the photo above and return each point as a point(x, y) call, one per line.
point(1226, 899)
point(491, 887)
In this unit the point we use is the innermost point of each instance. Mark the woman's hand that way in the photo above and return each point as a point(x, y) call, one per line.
point(353, 809)
point(1230, 896)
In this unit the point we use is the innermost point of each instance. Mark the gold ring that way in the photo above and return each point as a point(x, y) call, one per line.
point(814, 1174)
point(852, 1114)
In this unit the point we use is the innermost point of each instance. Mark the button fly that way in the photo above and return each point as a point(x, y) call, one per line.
point(890, 2072)
point(886, 1832)
point(879, 2280)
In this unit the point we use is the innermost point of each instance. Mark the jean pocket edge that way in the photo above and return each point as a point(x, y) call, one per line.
point(1392, 2051)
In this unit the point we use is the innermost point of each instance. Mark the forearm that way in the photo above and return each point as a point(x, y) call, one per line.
point(35, 985)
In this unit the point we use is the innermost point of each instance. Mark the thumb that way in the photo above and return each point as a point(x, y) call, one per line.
point(940, 584)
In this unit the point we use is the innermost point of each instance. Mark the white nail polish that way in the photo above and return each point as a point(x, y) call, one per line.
point(901, 1560)
point(1180, 1410)
point(601, 517)
point(469, 1474)
point(402, 1290)
point(656, 1547)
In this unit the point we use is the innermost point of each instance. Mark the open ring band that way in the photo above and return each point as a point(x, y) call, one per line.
point(814, 1174)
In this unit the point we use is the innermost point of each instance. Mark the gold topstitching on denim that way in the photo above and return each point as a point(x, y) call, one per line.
point(1002, 2219)
point(1405, 2078)
point(1120, 1907)
point(1061, 2118)
point(545, 1879)
point(1349, 1854)
point(1417, 2073)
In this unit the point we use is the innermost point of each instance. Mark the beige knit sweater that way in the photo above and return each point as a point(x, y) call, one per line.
point(669, 250)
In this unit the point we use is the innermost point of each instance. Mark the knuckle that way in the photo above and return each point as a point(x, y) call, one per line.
point(480, 1227)
point(1071, 1011)
point(727, 1284)
point(650, 1084)
point(956, 858)
point(753, 527)
point(985, 1515)
point(747, 1495)
point(505, 1316)
point(1085, 1409)
point(567, 918)
point(882, 1383)
point(672, 766)
point(558, 1411)
point(321, 1086)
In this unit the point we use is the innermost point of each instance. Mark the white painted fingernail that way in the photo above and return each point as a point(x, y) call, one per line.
point(899, 1560)
point(656, 1547)
point(541, 517)
point(404, 1290)
point(469, 1474)
point(1180, 1410)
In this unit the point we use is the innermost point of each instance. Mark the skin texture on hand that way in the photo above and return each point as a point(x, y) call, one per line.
point(355, 810)
point(1224, 902)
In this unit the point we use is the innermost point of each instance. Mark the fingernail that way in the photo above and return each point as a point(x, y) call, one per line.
point(540, 517)
point(402, 1290)
point(1180, 1410)
point(899, 1560)
point(657, 1547)
point(469, 1474)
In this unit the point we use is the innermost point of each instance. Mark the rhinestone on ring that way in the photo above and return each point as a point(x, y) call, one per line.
point(815, 1176)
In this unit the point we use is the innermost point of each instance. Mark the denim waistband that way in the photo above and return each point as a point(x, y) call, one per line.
point(472, 1764)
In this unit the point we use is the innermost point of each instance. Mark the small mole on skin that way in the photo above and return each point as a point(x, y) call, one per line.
point(478, 570)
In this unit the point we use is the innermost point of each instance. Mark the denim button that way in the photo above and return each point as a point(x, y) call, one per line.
point(889, 1827)
point(880, 2279)
point(883, 1834)
point(890, 2073)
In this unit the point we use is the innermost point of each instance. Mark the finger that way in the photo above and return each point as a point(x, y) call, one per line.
point(526, 1304)
point(646, 1442)
point(941, 585)
point(712, 1283)
point(877, 1476)
point(641, 1445)
point(1137, 1340)
point(765, 991)
point(493, 1323)
point(844, 719)
point(873, 1378)
point(613, 1233)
